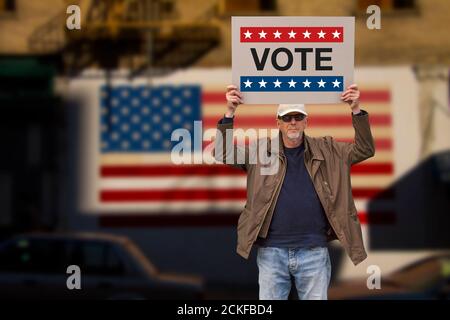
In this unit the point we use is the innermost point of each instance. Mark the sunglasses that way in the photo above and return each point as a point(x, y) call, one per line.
point(288, 118)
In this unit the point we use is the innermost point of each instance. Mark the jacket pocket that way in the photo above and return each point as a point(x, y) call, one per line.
point(326, 188)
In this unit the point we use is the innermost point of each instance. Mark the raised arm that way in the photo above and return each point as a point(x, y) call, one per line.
point(225, 151)
point(363, 146)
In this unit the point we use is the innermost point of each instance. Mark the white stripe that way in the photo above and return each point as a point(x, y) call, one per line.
point(173, 183)
point(193, 207)
point(218, 109)
point(176, 207)
point(202, 182)
point(380, 206)
point(371, 180)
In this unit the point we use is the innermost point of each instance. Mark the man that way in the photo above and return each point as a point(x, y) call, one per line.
point(292, 214)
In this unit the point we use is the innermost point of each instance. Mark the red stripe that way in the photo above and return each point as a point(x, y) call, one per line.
point(372, 218)
point(169, 170)
point(372, 168)
point(373, 192)
point(172, 195)
point(213, 97)
point(375, 96)
point(206, 194)
point(209, 219)
point(367, 96)
point(214, 170)
point(317, 120)
point(380, 144)
point(345, 120)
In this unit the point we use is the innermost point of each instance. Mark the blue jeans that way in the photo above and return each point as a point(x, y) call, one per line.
point(310, 267)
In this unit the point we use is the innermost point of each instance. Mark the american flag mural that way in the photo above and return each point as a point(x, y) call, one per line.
point(131, 180)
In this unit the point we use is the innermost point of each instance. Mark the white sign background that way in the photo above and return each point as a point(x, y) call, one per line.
point(243, 64)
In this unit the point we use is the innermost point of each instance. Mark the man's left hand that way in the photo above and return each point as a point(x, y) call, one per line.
point(351, 96)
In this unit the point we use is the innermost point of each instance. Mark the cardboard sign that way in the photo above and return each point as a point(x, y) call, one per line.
point(292, 59)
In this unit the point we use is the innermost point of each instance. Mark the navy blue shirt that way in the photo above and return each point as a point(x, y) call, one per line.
point(299, 219)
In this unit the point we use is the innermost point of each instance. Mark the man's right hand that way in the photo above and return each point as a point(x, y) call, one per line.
point(234, 98)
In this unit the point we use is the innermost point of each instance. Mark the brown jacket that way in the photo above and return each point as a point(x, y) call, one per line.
point(328, 163)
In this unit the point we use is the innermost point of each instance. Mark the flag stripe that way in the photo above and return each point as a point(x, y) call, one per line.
point(173, 207)
point(380, 144)
point(213, 97)
point(228, 206)
point(371, 180)
point(373, 168)
point(214, 182)
point(381, 193)
point(218, 109)
point(172, 195)
point(136, 158)
point(377, 218)
point(375, 96)
point(168, 170)
point(217, 170)
point(365, 97)
point(174, 182)
point(204, 194)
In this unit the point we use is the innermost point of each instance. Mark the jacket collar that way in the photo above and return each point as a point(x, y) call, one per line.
point(311, 149)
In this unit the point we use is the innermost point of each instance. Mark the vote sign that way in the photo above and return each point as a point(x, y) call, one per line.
point(292, 59)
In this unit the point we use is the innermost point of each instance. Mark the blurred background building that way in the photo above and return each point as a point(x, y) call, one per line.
point(73, 158)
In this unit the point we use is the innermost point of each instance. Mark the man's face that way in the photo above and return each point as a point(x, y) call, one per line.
point(293, 129)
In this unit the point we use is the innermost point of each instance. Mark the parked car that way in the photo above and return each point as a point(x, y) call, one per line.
point(112, 267)
point(427, 278)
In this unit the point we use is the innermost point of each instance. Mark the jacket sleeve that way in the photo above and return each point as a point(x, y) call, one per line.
point(363, 146)
point(226, 151)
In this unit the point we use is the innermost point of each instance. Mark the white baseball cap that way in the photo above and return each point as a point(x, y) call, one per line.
point(287, 108)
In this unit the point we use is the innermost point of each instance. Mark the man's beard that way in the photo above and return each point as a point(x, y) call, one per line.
point(293, 135)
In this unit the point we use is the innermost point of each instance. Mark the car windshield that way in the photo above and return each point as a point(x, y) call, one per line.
point(137, 253)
